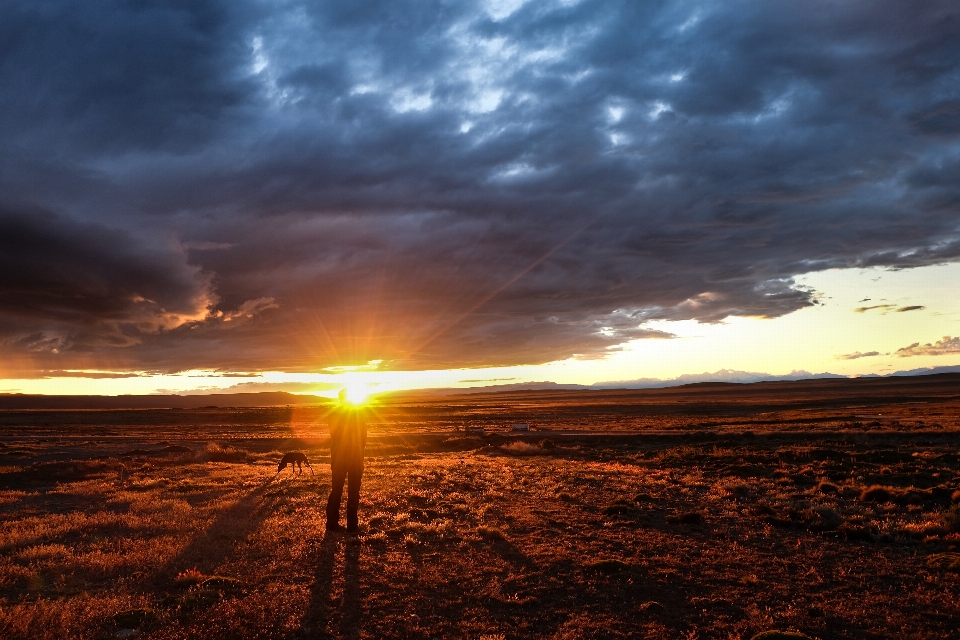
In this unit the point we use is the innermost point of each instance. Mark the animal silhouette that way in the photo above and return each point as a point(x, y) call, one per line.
point(294, 459)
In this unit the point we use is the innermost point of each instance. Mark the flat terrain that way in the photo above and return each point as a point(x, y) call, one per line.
point(710, 511)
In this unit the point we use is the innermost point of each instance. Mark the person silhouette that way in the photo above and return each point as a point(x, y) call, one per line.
point(348, 437)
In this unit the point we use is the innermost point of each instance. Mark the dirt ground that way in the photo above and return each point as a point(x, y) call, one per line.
point(177, 528)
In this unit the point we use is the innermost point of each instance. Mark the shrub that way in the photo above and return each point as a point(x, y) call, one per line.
point(917, 496)
point(951, 519)
point(689, 517)
point(740, 491)
point(763, 509)
point(491, 533)
point(828, 487)
point(780, 635)
point(134, 618)
point(821, 519)
point(946, 561)
point(858, 531)
point(216, 453)
point(620, 508)
point(189, 577)
point(523, 448)
point(878, 493)
point(176, 448)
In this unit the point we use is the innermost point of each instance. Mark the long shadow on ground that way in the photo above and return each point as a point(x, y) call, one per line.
point(208, 550)
point(319, 618)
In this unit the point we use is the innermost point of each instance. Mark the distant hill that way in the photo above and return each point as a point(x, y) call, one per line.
point(265, 399)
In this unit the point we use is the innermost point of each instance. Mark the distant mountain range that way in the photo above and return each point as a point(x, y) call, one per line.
point(723, 375)
point(917, 372)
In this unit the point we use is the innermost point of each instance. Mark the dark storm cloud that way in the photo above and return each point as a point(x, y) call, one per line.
point(447, 184)
point(66, 285)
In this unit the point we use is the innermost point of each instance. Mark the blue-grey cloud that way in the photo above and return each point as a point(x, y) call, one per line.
point(459, 184)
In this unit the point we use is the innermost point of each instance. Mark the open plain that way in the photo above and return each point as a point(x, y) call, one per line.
point(708, 511)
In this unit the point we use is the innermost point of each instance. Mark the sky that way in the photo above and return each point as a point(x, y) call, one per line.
point(281, 195)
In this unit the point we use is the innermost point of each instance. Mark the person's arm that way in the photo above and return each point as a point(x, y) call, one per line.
point(335, 421)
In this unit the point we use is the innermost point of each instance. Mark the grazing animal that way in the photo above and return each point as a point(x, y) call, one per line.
point(294, 459)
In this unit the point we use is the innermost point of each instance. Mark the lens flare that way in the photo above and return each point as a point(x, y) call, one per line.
point(358, 394)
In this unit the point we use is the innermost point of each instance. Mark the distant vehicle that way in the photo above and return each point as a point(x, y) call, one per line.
point(520, 426)
point(474, 430)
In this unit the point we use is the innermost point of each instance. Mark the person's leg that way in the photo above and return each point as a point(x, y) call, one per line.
point(338, 477)
point(353, 497)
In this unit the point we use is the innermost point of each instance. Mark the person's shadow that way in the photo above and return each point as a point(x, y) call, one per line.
point(325, 606)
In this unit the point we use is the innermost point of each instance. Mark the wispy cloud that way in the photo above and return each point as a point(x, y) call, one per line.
point(858, 355)
point(884, 308)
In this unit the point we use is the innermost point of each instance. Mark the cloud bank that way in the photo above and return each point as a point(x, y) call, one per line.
point(946, 346)
point(242, 186)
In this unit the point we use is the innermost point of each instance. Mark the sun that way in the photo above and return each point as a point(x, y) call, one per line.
point(357, 394)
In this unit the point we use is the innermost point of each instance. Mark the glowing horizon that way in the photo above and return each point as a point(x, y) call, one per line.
point(805, 340)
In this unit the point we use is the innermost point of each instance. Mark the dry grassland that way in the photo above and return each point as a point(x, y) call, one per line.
point(548, 535)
